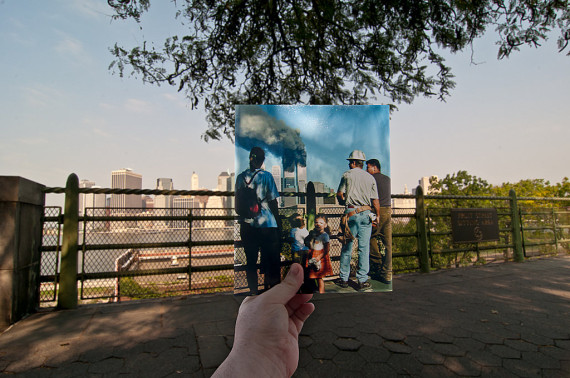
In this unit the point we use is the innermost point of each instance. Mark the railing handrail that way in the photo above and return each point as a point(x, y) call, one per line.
point(453, 197)
point(217, 193)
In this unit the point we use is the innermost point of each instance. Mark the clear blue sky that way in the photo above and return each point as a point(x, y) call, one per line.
point(62, 111)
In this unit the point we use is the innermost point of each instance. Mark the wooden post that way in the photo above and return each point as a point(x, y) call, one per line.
point(516, 228)
point(311, 205)
point(67, 295)
point(423, 252)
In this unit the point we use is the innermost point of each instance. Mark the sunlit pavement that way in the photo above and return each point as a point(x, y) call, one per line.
point(503, 320)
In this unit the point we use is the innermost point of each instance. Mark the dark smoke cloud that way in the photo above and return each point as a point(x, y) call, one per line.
point(257, 128)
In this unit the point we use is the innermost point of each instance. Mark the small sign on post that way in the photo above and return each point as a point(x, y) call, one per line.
point(474, 225)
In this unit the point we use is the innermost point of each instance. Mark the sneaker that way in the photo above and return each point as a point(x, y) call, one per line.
point(341, 283)
point(364, 286)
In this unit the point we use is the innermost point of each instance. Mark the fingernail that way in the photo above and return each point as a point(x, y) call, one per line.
point(295, 269)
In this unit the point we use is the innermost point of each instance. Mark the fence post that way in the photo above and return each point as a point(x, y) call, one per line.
point(421, 231)
point(311, 205)
point(190, 220)
point(555, 230)
point(67, 295)
point(516, 227)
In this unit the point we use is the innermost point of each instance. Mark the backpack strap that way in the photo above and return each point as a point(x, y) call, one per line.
point(251, 180)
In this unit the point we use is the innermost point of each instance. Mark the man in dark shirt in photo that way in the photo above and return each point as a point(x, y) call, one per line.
point(381, 261)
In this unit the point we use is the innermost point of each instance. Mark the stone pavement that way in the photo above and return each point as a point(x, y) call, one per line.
point(504, 320)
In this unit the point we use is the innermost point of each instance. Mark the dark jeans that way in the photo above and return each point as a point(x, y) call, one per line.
point(267, 241)
point(381, 264)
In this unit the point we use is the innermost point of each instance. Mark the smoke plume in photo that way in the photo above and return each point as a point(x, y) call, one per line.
point(257, 128)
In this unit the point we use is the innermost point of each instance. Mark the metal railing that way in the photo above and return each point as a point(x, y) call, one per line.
point(128, 253)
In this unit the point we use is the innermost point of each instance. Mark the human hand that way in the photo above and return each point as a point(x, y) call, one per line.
point(266, 341)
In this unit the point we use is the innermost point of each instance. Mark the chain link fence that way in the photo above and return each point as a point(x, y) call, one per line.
point(135, 253)
point(51, 254)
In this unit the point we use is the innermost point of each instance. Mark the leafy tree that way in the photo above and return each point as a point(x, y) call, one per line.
point(325, 51)
point(461, 183)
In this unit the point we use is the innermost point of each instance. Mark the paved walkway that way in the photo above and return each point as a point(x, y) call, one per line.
point(503, 320)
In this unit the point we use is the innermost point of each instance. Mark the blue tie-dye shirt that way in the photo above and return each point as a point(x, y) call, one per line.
point(266, 190)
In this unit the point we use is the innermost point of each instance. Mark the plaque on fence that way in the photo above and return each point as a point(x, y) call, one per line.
point(474, 225)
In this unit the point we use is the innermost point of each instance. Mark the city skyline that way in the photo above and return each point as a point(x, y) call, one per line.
point(505, 120)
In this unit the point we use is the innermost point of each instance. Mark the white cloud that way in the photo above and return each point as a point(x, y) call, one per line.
point(101, 132)
point(41, 96)
point(33, 141)
point(107, 106)
point(97, 126)
point(92, 8)
point(138, 106)
point(69, 45)
point(72, 49)
point(176, 100)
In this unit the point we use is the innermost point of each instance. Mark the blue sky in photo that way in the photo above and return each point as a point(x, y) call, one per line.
point(330, 133)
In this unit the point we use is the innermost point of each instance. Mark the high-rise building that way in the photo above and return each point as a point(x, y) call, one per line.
point(424, 182)
point(148, 203)
point(319, 188)
point(404, 203)
point(181, 206)
point(223, 186)
point(163, 201)
point(302, 178)
point(94, 205)
point(126, 179)
point(276, 173)
point(194, 185)
point(82, 201)
point(232, 188)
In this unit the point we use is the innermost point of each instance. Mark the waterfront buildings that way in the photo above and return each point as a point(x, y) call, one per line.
point(126, 179)
point(82, 201)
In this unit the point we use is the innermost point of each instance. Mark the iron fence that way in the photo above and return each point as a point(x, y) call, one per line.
point(50, 253)
point(135, 253)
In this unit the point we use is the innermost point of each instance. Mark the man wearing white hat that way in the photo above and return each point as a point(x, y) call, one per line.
point(357, 191)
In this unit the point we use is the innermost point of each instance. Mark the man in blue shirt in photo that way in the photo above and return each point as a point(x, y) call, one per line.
point(262, 232)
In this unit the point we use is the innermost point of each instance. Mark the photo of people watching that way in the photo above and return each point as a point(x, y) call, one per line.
point(313, 191)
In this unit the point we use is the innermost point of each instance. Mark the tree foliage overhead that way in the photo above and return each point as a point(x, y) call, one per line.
point(324, 51)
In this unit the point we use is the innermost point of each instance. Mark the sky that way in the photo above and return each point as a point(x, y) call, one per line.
point(62, 111)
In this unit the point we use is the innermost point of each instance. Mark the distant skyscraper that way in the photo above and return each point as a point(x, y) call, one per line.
point(126, 179)
point(302, 178)
point(319, 188)
point(181, 206)
point(302, 182)
point(276, 173)
point(232, 188)
point(82, 202)
point(97, 202)
point(162, 201)
point(424, 183)
point(223, 186)
point(404, 203)
point(194, 185)
point(148, 203)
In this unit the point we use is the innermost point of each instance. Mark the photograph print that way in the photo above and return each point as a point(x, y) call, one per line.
point(313, 187)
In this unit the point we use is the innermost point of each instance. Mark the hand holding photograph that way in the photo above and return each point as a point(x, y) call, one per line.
point(313, 187)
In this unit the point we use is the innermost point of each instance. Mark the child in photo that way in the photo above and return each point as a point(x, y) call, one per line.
point(319, 261)
point(299, 251)
point(297, 237)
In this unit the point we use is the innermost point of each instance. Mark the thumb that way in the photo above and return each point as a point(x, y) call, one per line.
point(287, 289)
